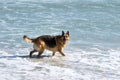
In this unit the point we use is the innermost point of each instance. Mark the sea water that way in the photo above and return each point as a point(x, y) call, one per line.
point(93, 52)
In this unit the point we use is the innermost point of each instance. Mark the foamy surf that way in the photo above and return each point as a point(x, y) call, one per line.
point(77, 66)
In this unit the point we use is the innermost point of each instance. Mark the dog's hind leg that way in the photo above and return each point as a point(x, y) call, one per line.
point(31, 52)
point(53, 53)
point(40, 53)
point(41, 50)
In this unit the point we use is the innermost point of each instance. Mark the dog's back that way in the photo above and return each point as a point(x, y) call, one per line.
point(50, 41)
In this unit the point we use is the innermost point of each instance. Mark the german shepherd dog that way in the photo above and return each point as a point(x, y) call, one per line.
point(52, 43)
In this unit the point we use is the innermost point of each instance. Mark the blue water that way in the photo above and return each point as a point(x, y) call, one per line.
point(94, 27)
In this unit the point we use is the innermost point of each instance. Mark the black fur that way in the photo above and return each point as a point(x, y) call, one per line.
point(49, 40)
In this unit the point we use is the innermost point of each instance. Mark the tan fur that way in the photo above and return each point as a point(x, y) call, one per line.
point(52, 43)
point(25, 38)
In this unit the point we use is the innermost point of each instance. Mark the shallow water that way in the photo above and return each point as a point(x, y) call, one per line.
point(93, 52)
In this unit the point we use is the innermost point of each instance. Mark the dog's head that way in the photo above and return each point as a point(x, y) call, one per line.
point(65, 36)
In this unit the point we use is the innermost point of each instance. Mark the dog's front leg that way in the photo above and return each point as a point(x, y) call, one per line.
point(61, 52)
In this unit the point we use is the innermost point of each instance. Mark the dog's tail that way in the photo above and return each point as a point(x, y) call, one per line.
point(26, 39)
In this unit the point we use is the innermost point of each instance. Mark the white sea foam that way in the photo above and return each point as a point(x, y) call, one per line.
point(76, 66)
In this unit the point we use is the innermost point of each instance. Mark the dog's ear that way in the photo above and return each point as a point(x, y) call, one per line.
point(67, 33)
point(63, 33)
